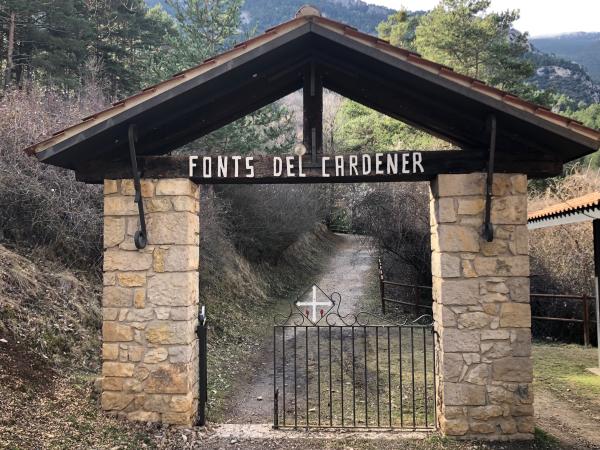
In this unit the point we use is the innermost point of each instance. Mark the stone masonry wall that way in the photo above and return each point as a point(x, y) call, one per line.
point(150, 302)
point(481, 308)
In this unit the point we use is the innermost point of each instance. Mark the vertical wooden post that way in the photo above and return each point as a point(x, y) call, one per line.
point(596, 225)
point(11, 47)
point(313, 111)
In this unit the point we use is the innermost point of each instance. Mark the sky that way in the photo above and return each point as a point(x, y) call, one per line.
point(539, 17)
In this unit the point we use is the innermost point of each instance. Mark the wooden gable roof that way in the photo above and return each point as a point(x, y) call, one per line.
point(359, 66)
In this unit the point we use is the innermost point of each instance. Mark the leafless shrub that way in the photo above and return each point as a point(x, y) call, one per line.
point(562, 256)
point(42, 205)
point(264, 220)
point(396, 215)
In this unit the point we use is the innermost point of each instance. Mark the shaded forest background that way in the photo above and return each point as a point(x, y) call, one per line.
point(61, 60)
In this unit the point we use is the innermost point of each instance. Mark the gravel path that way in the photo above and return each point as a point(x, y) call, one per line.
point(346, 273)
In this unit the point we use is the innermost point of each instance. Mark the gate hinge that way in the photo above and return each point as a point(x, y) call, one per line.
point(141, 237)
point(488, 230)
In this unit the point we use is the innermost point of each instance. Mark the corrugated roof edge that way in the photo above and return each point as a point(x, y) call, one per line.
point(591, 200)
point(377, 43)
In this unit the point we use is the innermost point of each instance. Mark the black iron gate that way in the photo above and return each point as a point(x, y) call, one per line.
point(341, 371)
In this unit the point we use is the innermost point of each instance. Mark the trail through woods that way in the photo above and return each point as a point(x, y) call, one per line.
point(347, 272)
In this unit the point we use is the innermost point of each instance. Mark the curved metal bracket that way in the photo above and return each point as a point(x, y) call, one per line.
point(488, 230)
point(141, 237)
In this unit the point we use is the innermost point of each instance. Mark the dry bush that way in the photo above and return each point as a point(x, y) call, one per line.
point(562, 257)
point(42, 205)
point(264, 220)
point(396, 215)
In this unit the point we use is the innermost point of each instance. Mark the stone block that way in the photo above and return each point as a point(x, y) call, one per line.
point(478, 374)
point(519, 289)
point(131, 279)
point(456, 292)
point(464, 394)
point(169, 379)
point(116, 332)
point(170, 333)
point(454, 427)
point(110, 351)
point(453, 365)
point(520, 341)
point(115, 401)
point(453, 340)
point(114, 231)
point(120, 206)
point(519, 183)
point(445, 265)
point(173, 228)
point(158, 204)
point(176, 186)
point(443, 315)
point(112, 383)
point(470, 206)
point(116, 259)
point(116, 297)
point(185, 204)
point(509, 210)
point(180, 258)
point(110, 187)
point(502, 185)
point(493, 266)
point(455, 238)
point(459, 185)
point(139, 298)
point(173, 289)
point(474, 320)
point(485, 412)
point(128, 187)
point(495, 248)
point(117, 369)
point(526, 424)
point(515, 315)
point(156, 355)
point(444, 210)
point(182, 353)
point(513, 369)
point(481, 427)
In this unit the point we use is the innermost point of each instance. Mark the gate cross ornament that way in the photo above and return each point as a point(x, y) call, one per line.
point(314, 304)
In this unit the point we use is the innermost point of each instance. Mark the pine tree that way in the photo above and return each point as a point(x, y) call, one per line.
point(465, 36)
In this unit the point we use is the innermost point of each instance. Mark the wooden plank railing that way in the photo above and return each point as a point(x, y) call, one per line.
point(416, 304)
point(586, 320)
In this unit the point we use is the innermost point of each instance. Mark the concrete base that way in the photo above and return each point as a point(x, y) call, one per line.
point(594, 370)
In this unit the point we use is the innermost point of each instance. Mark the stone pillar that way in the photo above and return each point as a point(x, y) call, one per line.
point(481, 308)
point(150, 302)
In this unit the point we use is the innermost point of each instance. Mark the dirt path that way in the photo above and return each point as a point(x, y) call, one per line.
point(346, 273)
point(571, 427)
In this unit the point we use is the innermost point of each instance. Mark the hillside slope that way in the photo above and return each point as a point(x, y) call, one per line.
point(583, 48)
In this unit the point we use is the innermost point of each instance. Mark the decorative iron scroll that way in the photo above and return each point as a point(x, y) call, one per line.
point(332, 316)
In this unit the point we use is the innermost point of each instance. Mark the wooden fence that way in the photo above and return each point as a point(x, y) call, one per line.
point(418, 298)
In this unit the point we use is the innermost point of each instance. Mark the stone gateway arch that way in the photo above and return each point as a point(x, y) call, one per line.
point(480, 262)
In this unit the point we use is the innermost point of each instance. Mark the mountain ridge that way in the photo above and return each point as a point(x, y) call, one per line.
point(555, 69)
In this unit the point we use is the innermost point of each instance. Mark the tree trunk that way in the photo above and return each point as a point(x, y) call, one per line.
point(11, 47)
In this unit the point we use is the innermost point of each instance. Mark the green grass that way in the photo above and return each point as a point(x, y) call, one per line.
point(560, 368)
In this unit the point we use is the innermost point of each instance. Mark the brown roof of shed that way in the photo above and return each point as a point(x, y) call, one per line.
point(579, 204)
point(48, 149)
